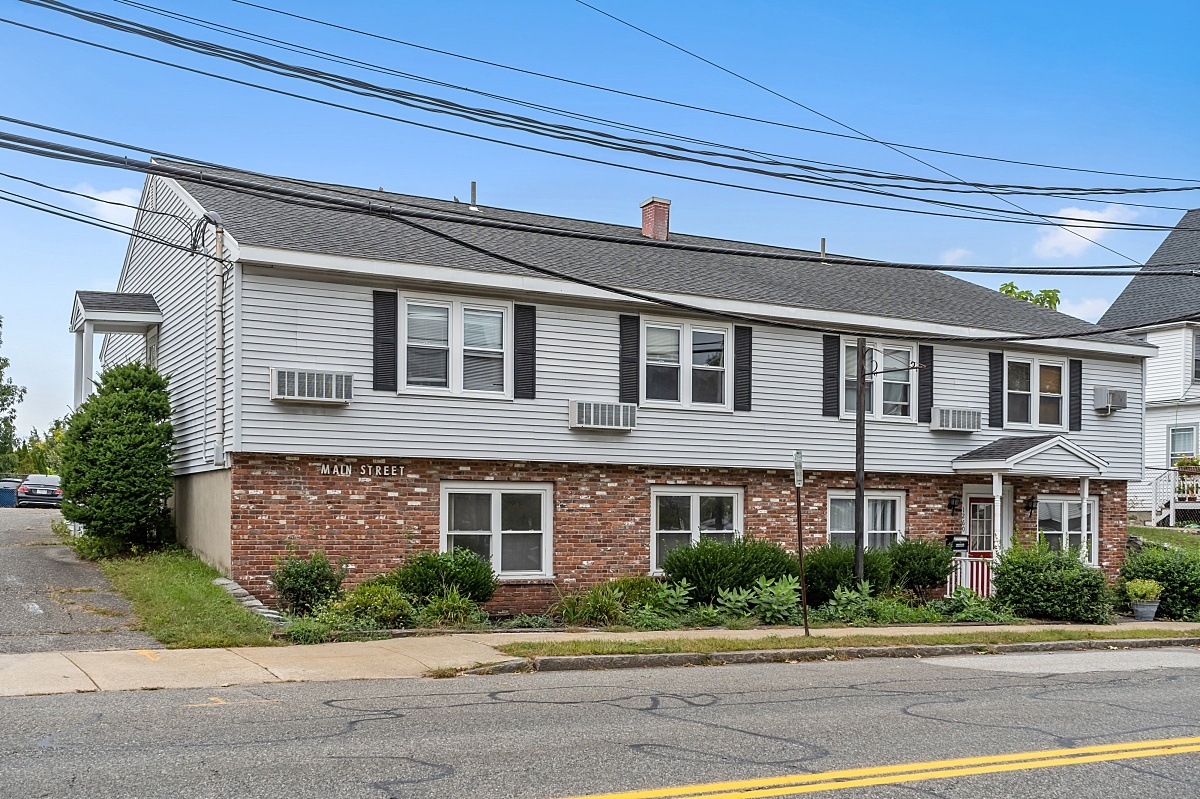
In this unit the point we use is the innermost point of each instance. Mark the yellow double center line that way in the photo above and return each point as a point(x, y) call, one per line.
point(913, 772)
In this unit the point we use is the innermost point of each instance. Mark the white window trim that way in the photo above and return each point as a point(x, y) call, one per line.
point(1171, 449)
point(546, 490)
point(1093, 516)
point(685, 364)
point(456, 306)
point(840, 493)
point(695, 492)
point(875, 351)
point(1035, 394)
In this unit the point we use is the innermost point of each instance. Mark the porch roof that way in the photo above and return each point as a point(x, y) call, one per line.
point(1045, 455)
point(115, 312)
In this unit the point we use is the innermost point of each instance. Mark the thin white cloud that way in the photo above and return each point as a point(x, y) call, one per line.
point(105, 210)
point(956, 255)
point(1089, 308)
point(1059, 242)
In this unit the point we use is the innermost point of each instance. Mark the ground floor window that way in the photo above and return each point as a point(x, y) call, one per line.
point(508, 524)
point(885, 518)
point(1060, 524)
point(1183, 443)
point(683, 515)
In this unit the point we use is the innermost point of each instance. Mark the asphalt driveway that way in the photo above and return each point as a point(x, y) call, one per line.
point(51, 600)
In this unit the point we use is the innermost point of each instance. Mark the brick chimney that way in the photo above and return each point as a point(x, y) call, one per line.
point(656, 218)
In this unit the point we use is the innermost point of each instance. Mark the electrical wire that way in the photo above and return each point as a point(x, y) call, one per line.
point(93, 198)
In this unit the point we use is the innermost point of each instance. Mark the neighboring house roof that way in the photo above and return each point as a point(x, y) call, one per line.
point(117, 301)
point(1148, 299)
point(925, 296)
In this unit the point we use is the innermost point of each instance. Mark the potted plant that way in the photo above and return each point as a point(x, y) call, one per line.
point(1143, 596)
point(1188, 465)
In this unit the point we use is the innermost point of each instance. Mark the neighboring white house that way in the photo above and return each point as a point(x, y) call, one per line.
point(372, 386)
point(1172, 376)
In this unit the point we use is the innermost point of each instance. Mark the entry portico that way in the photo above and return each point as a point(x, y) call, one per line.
point(110, 312)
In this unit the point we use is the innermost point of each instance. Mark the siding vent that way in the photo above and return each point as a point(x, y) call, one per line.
point(961, 419)
point(603, 415)
point(299, 386)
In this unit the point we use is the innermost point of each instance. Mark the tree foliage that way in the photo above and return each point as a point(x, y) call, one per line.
point(116, 459)
point(1047, 298)
point(10, 397)
point(42, 453)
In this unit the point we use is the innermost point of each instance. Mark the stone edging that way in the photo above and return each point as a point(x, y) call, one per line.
point(595, 662)
point(247, 600)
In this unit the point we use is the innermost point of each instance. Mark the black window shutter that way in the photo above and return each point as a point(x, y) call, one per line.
point(743, 367)
point(995, 389)
point(525, 351)
point(1075, 401)
point(631, 325)
point(831, 378)
point(386, 338)
point(925, 383)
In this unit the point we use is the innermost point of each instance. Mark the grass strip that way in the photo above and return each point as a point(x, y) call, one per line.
point(593, 646)
point(174, 597)
point(1184, 539)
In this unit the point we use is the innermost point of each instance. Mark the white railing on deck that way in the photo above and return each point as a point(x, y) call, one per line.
point(973, 573)
point(1157, 494)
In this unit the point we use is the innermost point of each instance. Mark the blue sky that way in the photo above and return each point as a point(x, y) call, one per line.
point(1109, 85)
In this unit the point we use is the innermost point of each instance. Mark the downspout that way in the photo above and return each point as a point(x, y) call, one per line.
point(218, 280)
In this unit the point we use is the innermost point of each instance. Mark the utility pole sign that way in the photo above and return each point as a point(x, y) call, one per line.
point(798, 465)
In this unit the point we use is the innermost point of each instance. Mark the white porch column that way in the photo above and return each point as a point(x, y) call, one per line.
point(88, 371)
point(1084, 485)
point(78, 369)
point(997, 511)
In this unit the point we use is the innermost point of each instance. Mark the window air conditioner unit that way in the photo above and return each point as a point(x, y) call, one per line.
point(296, 385)
point(603, 415)
point(961, 419)
point(1110, 399)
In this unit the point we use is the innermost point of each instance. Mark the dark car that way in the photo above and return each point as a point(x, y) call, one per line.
point(44, 490)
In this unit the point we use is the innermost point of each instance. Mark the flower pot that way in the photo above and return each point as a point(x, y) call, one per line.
point(1144, 610)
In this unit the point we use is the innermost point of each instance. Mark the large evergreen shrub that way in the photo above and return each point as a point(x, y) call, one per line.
point(710, 565)
point(831, 566)
point(920, 565)
point(305, 584)
point(434, 574)
point(116, 459)
point(1041, 583)
point(1177, 571)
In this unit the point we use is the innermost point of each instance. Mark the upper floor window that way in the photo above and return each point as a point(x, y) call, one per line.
point(889, 381)
point(1034, 391)
point(1182, 443)
point(686, 363)
point(884, 518)
point(1196, 355)
point(456, 347)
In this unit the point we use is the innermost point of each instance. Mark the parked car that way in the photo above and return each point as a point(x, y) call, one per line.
point(43, 490)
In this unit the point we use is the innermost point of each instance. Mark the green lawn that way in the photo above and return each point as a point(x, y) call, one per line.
point(174, 597)
point(1186, 539)
point(710, 645)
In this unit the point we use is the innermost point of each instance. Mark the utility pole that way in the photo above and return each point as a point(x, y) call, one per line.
point(860, 460)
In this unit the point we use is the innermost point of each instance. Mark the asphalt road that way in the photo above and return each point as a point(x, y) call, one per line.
point(577, 733)
point(51, 600)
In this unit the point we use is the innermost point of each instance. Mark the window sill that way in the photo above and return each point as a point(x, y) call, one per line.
point(678, 406)
point(547, 579)
point(888, 419)
point(473, 395)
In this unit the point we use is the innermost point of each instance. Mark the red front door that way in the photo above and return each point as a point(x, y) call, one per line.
point(981, 527)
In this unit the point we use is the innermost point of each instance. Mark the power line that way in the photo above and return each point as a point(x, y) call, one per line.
point(663, 101)
point(93, 198)
point(812, 110)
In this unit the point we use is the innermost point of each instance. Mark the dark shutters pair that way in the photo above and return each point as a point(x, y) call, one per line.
point(996, 392)
point(630, 326)
point(831, 379)
point(387, 337)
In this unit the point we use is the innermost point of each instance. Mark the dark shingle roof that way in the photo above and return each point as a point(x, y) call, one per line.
point(889, 292)
point(1149, 299)
point(1004, 448)
point(117, 301)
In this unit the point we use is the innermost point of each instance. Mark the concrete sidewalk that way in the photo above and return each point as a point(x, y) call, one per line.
point(141, 669)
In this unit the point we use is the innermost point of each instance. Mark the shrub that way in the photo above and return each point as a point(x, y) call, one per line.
point(452, 609)
point(525, 621)
point(830, 566)
point(966, 605)
point(1143, 590)
point(775, 601)
point(712, 565)
point(1044, 584)
point(704, 615)
point(386, 606)
point(638, 589)
point(433, 574)
point(304, 584)
point(116, 460)
point(648, 617)
point(920, 565)
point(601, 605)
point(1177, 571)
point(309, 631)
point(736, 601)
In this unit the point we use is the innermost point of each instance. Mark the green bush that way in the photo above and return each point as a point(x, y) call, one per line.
point(601, 605)
point(309, 631)
point(1143, 590)
point(1043, 584)
point(831, 566)
point(305, 584)
point(920, 565)
point(966, 605)
point(452, 609)
point(1177, 571)
point(704, 615)
point(711, 565)
point(386, 606)
point(775, 601)
point(526, 621)
point(638, 589)
point(116, 460)
point(433, 574)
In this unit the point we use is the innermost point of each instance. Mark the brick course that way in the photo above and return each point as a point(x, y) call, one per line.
point(601, 513)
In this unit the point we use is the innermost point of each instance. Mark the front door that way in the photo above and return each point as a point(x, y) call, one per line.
point(981, 527)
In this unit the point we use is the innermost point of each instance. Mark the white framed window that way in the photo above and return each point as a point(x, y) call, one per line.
point(1182, 442)
point(884, 517)
point(456, 347)
point(889, 383)
point(1060, 524)
point(1035, 392)
point(1195, 356)
point(682, 515)
point(508, 524)
point(686, 364)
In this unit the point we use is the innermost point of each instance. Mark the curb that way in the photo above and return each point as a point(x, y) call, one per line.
point(810, 654)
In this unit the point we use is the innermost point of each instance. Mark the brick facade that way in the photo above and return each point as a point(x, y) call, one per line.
point(601, 513)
